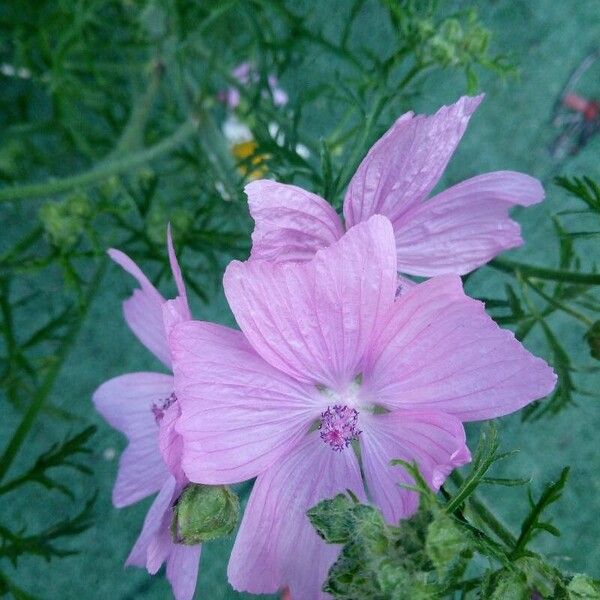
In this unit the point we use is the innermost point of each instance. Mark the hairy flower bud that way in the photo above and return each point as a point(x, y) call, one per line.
point(65, 220)
point(203, 513)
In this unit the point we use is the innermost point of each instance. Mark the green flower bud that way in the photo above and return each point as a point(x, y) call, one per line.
point(203, 513)
point(64, 221)
point(593, 339)
point(110, 187)
point(444, 542)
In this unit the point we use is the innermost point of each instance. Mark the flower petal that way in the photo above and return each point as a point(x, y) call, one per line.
point(126, 403)
point(290, 223)
point(171, 443)
point(143, 310)
point(405, 164)
point(178, 277)
point(314, 320)
point(276, 544)
point(434, 440)
point(441, 351)
point(239, 414)
point(465, 226)
point(182, 570)
point(146, 553)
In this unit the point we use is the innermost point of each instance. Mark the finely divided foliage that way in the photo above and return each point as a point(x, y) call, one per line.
point(346, 377)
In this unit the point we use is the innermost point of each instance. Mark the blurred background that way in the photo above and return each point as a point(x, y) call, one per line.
point(119, 116)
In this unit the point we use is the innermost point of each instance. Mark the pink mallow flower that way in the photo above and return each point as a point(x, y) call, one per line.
point(144, 407)
point(453, 232)
point(328, 358)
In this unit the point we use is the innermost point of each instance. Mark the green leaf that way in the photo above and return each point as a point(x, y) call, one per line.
point(333, 519)
point(486, 454)
point(532, 523)
point(582, 587)
point(505, 585)
point(59, 455)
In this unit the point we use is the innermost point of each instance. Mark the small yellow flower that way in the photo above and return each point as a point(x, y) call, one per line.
point(243, 151)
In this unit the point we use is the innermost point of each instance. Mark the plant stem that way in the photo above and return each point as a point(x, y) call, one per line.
point(480, 510)
point(512, 267)
point(105, 169)
point(45, 388)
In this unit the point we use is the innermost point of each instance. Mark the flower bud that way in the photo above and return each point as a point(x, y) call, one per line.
point(203, 513)
point(64, 221)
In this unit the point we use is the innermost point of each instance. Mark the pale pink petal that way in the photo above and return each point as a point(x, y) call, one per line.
point(465, 226)
point(143, 310)
point(434, 440)
point(239, 414)
point(405, 164)
point(174, 312)
point(146, 553)
point(315, 320)
point(441, 351)
point(276, 544)
point(170, 442)
point(403, 285)
point(177, 276)
point(291, 224)
point(126, 403)
point(182, 570)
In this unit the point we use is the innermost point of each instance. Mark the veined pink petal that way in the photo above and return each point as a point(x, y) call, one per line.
point(441, 351)
point(143, 310)
point(290, 223)
point(126, 403)
point(239, 414)
point(314, 320)
point(143, 553)
point(178, 277)
point(170, 442)
point(276, 544)
point(175, 311)
point(434, 440)
point(405, 164)
point(154, 546)
point(182, 570)
point(465, 226)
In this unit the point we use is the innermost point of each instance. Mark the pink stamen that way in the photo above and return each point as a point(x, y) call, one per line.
point(159, 408)
point(338, 426)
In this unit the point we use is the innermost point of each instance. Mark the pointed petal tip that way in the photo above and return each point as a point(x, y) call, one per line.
point(175, 268)
point(471, 103)
point(117, 256)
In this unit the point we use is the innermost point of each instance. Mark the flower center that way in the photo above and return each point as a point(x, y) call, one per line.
point(159, 408)
point(338, 426)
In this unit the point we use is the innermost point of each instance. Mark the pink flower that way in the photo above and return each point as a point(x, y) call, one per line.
point(144, 407)
point(246, 75)
point(454, 232)
point(327, 358)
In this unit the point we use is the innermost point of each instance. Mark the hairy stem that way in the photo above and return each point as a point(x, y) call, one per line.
point(106, 169)
point(480, 510)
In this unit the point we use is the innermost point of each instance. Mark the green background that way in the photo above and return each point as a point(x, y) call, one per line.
point(511, 130)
